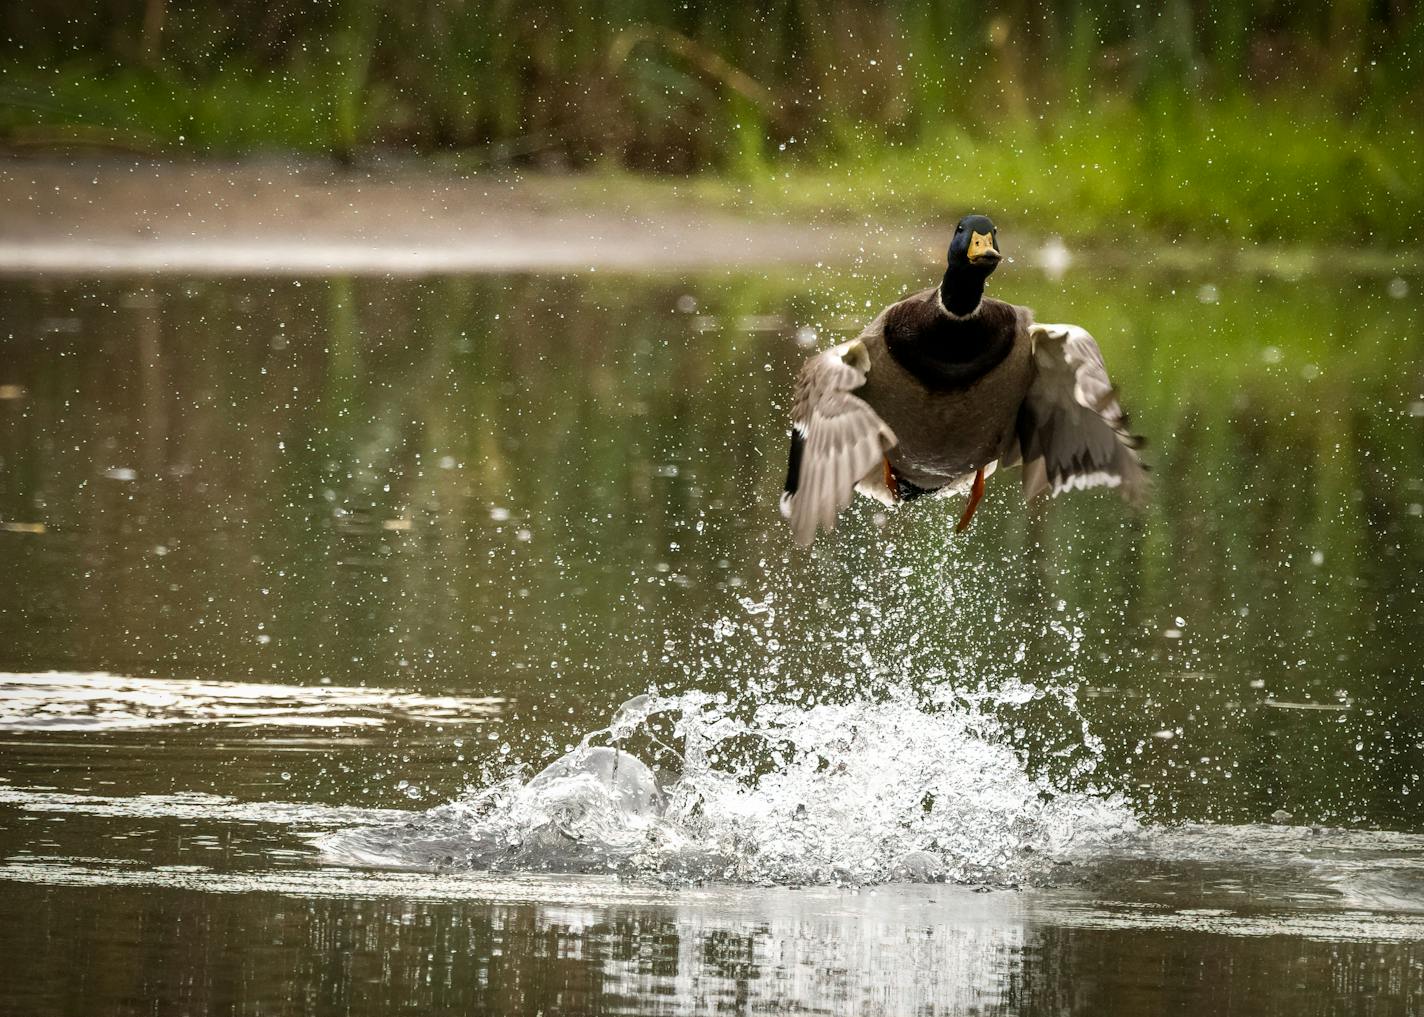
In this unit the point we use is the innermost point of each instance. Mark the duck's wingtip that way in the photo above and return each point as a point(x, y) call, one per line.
point(803, 527)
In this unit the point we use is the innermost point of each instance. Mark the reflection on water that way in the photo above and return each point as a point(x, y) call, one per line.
point(361, 546)
point(379, 943)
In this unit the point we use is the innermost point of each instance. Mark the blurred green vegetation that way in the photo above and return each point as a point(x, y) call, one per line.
point(1263, 119)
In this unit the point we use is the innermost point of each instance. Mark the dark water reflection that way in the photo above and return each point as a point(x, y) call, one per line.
point(261, 953)
point(543, 491)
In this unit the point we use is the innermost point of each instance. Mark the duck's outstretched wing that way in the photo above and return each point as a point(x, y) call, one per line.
point(836, 439)
point(1072, 430)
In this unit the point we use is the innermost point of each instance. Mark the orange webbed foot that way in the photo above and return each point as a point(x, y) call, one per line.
point(976, 495)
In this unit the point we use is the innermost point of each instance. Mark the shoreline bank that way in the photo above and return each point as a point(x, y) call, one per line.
point(125, 216)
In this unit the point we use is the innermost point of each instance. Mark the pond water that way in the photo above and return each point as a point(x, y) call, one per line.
point(309, 578)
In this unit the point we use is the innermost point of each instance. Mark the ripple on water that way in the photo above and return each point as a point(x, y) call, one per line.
point(96, 701)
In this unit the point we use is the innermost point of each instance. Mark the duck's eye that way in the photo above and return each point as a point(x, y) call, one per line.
point(959, 229)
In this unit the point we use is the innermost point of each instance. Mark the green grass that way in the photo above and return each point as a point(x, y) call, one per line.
point(234, 112)
point(1228, 169)
point(1275, 170)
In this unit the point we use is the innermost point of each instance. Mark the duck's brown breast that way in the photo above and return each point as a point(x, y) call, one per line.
point(945, 430)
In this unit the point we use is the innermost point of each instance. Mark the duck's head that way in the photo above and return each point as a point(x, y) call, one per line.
point(975, 245)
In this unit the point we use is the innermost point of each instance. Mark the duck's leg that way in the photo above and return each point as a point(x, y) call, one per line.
point(891, 484)
point(976, 495)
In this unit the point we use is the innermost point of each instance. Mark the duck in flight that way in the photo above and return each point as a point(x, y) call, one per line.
point(944, 387)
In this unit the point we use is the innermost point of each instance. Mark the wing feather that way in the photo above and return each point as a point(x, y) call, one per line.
point(1073, 431)
point(837, 438)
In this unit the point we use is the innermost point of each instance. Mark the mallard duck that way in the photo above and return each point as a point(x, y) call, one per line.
point(944, 387)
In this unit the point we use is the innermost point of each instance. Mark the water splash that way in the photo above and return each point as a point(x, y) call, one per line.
point(870, 732)
point(854, 793)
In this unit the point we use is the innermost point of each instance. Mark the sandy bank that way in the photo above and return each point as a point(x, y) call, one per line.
point(122, 215)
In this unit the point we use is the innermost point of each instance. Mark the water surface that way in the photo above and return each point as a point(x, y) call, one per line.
point(292, 557)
